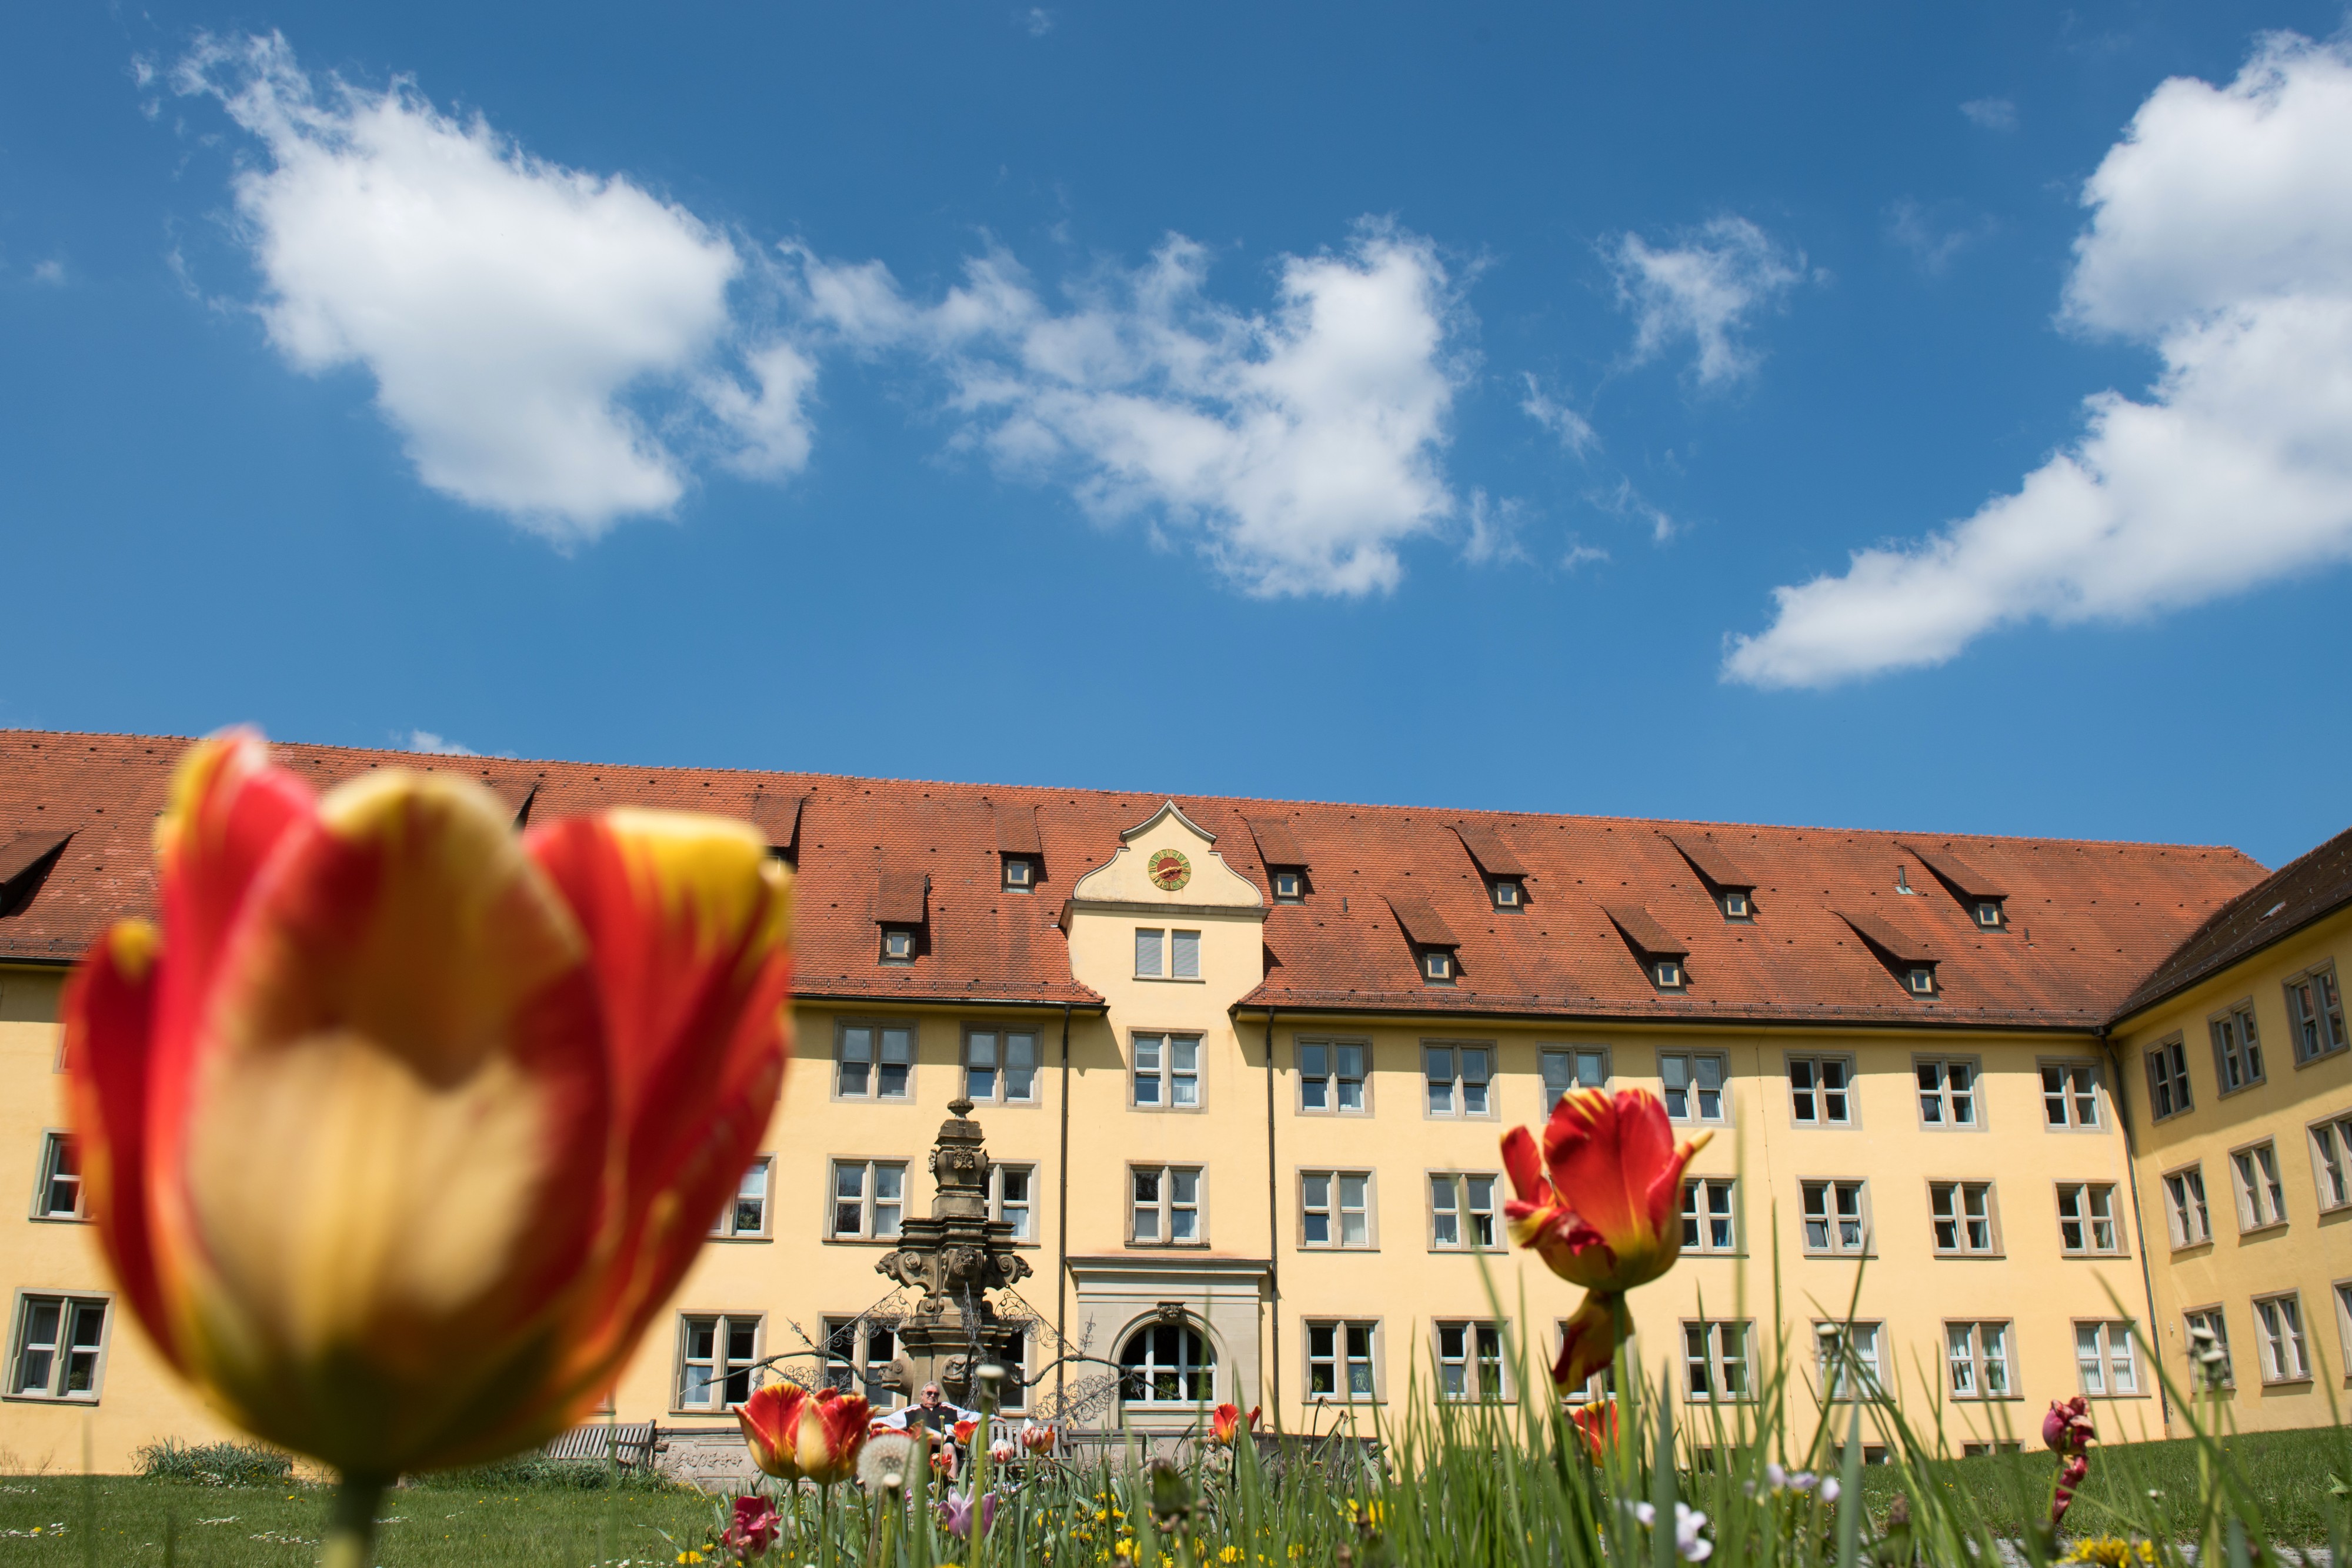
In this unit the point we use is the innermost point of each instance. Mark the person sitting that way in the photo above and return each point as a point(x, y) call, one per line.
point(930, 1413)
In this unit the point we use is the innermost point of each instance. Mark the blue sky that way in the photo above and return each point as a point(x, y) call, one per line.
point(1359, 402)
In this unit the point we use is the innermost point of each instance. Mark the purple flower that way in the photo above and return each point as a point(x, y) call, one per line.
point(956, 1513)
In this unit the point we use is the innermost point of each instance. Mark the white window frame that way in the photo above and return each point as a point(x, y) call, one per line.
point(2067, 1084)
point(1166, 1207)
point(1201, 1373)
point(72, 1308)
point(1000, 1067)
point(1718, 1361)
point(2330, 1139)
point(1170, 953)
point(2216, 1319)
point(1020, 873)
point(869, 1199)
point(1563, 1068)
point(1323, 1195)
point(1339, 1357)
point(2260, 1188)
point(1155, 1061)
point(1467, 1096)
point(1841, 1348)
point(58, 1164)
point(1323, 1076)
point(877, 1062)
point(2237, 1049)
point(1688, 1068)
point(757, 1185)
point(1946, 1106)
point(2315, 1014)
point(1295, 892)
point(999, 1208)
point(2111, 1370)
point(2187, 1211)
point(2092, 1205)
point(899, 945)
point(1507, 893)
point(722, 1360)
point(1710, 1216)
point(2342, 1292)
point(1811, 1096)
point(1473, 1361)
point(2279, 1338)
point(1833, 1215)
point(856, 1369)
point(2168, 1091)
point(1439, 966)
point(1475, 1229)
point(1735, 904)
point(1972, 1211)
point(1980, 1354)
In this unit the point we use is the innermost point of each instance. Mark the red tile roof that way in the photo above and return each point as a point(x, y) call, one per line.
point(2311, 886)
point(2086, 918)
point(1643, 930)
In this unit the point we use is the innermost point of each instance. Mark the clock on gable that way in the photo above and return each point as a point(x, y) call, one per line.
point(1169, 870)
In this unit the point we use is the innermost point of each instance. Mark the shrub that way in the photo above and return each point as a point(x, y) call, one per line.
point(537, 1472)
point(215, 1463)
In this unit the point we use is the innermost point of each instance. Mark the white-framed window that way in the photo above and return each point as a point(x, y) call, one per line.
point(2069, 1094)
point(1164, 953)
point(1331, 1076)
point(897, 944)
point(1734, 904)
point(869, 1200)
point(1464, 1211)
point(1948, 1093)
point(2086, 1219)
point(1845, 1356)
point(1976, 1361)
point(60, 1349)
point(2167, 1079)
point(1334, 1208)
point(1000, 1065)
point(1715, 1360)
point(1020, 874)
point(1981, 1449)
point(2261, 1196)
point(1167, 1072)
point(1012, 1197)
point(1571, 1067)
point(745, 1214)
point(1164, 1206)
point(1920, 979)
point(1694, 1084)
point(2208, 1327)
point(1013, 1392)
point(2237, 1049)
point(1666, 974)
point(2105, 1359)
point(1289, 888)
point(1711, 1221)
point(1168, 1363)
point(2331, 1160)
point(57, 1194)
point(2315, 1014)
point(1964, 1223)
point(1340, 1360)
point(1820, 1091)
point(874, 1061)
point(2184, 1206)
point(1470, 1359)
point(715, 1353)
point(857, 1356)
point(1509, 892)
point(1437, 965)
point(1988, 913)
point(1837, 1216)
point(1457, 1081)
point(2278, 1333)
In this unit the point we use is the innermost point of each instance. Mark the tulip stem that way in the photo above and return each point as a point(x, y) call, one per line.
point(350, 1534)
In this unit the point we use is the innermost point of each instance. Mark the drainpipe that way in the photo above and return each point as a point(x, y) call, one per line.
point(1061, 1225)
point(1272, 1230)
point(2140, 1229)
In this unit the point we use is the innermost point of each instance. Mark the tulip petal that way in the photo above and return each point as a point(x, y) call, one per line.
point(1587, 1342)
point(688, 920)
point(1524, 1164)
point(109, 1017)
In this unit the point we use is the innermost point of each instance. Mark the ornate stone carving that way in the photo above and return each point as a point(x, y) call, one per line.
point(954, 1256)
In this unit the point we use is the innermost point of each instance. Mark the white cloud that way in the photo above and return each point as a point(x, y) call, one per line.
point(1627, 501)
point(1706, 290)
point(1991, 113)
point(1581, 554)
point(1299, 447)
point(2220, 233)
point(1574, 431)
point(425, 741)
point(52, 273)
point(515, 314)
point(1494, 530)
point(1932, 243)
point(1039, 21)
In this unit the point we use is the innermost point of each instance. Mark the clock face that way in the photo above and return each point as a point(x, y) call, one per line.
point(1170, 870)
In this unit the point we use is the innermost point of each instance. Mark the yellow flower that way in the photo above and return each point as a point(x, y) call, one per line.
point(1101, 1514)
point(1230, 1554)
point(1124, 1549)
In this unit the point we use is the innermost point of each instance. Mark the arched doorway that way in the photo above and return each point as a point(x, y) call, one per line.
point(1167, 1364)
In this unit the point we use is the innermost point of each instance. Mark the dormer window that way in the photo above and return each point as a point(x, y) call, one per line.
point(897, 944)
point(1736, 906)
point(1437, 965)
point(1921, 979)
point(1989, 913)
point(1509, 892)
point(1668, 973)
point(1289, 887)
point(1020, 874)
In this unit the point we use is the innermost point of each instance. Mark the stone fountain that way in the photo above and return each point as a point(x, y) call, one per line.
point(955, 1256)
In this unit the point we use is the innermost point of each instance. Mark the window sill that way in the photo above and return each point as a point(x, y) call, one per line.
point(1988, 1398)
point(2318, 1056)
point(2094, 1257)
point(1970, 1257)
point(2268, 1227)
point(2203, 1244)
point(1168, 1246)
point(2303, 1381)
point(860, 1240)
point(1168, 1110)
point(1174, 979)
point(77, 1402)
point(1357, 1115)
point(2234, 1093)
point(59, 1219)
point(1438, 1250)
point(840, 1098)
point(1840, 1257)
point(738, 1239)
point(2075, 1127)
point(1315, 1249)
point(1341, 1401)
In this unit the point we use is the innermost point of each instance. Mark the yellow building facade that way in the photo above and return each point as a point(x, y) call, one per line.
point(1243, 1068)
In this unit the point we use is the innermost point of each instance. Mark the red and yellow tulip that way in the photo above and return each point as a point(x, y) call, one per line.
point(798, 1435)
point(1226, 1422)
point(1602, 1205)
point(400, 1128)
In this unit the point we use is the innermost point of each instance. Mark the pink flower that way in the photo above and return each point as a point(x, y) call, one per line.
point(755, 1528)
point(2069, 1477)
point(2067, 1428)
point(956, 1514)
